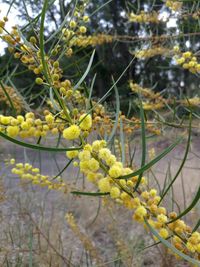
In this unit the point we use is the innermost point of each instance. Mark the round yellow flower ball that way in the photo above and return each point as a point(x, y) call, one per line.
point(72, 132)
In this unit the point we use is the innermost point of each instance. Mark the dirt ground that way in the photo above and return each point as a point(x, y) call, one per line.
point(34, 231)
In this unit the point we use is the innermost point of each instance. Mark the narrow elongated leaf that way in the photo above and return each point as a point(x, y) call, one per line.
point(59, 29)
point(89, 100)
point(152, 162)
point(86, 72)
point(182, 164)
point(152, 245)
point(172, 248)
point(122, 142)
point(97, 214)
point(111, 88)
point(25, 40)
point(42, 50)
point(196, 226)
point(117, 115)
point(55, 106)
point(37, 147)
point(102, 6)
point(191, 206)
point(144, 149)
point(35, 20)
point(103, 98)
point(10, 6)
point(89, 193)
point(67, 165)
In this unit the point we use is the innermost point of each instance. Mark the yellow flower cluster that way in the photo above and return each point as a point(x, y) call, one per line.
point(74, 131)
point(193, 243)
point(196, 14)
point(146, 92)
point(16, 99)
point(91, 40)
point(31, 56)
point(153, 100)
point(104, 123)
point(195, 101)
point(101, 167)
point(152, 106)
point(79, 21)
point(88, 163)
point(69, 36)
point(28, 126)
point(152, 52)
point(68, 93)
point(28, 173)
point(85, 122)
point(92, 157)
point(77, 27)
point(12, 38)
point(2, 25)
point(96, 158)
point(156, 101)
point(144, 17)
point(174, 5)
point(187, 60)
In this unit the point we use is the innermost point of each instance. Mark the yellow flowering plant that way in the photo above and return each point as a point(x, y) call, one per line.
point(93, 139)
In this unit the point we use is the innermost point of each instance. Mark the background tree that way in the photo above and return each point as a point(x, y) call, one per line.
point(111, 59)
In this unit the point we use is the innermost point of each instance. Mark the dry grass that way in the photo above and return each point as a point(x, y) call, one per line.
point(34, 231)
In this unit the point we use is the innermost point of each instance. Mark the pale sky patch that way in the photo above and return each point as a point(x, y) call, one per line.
point(172, 23)
point(13, 20)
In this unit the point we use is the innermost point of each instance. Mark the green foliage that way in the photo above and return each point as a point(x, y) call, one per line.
point(98, 81)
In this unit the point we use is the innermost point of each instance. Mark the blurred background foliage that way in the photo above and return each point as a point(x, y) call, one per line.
point(159, 72)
